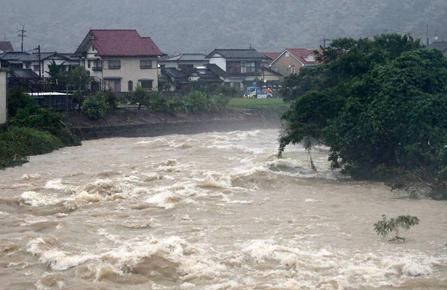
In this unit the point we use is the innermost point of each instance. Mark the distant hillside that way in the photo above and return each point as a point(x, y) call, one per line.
point(201, 25)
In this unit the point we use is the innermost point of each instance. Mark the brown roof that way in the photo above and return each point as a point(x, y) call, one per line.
point(122, 42)
point(304, 55)
point(272, 55)
point(6, 46)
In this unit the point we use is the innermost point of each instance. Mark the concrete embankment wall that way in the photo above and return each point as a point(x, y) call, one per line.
point(147, 125)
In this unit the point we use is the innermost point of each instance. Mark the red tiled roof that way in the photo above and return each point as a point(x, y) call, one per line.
point(111, 42)
point(6, 46)
point(304, 55)
point(272, 55)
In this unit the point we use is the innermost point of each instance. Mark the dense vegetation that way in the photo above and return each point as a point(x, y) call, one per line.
point(380, 105)
point(97, 106)
point(31, 130)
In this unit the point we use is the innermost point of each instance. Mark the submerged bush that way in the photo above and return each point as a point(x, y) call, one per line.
point(388, 226)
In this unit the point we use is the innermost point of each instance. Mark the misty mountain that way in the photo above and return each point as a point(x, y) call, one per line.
point(201, 25)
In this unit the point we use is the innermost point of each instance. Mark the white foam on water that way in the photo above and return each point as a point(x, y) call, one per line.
point(36, 199)
point(334, 268)
point(172, 256)
point(55, 184)
point(214, 180)
point(31, 176)
point(56, 259)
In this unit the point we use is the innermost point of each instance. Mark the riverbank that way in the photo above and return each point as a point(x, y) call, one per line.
point(144, 123)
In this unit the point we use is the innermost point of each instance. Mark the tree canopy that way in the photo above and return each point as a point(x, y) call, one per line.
point(378, 104)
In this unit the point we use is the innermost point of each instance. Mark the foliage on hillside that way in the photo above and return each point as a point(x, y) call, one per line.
point(380, 105)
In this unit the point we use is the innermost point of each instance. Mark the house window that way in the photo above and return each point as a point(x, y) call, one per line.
point(292, 69)
point(113, 85)
point(114, 64)
point(248, 67)
point(146, 84)
point(145, 64)
point(234, 67)
point(130, 86)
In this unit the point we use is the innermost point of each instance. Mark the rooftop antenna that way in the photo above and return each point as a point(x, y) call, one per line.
point(22, 35)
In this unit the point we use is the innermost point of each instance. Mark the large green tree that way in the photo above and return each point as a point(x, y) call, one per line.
point(380, 104)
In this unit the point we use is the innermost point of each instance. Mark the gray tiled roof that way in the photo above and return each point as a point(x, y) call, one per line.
point(250, 53)
point(187, 57)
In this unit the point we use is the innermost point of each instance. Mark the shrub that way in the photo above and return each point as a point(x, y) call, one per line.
point(387, 226)
point(18, 143)
point(196, 102)
point(94, 107)
point(45, 120)
point(17, 100)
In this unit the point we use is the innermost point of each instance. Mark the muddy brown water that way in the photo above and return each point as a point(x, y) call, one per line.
point(207, 211)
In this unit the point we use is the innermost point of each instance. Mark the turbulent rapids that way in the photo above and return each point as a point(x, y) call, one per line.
point(207, 211)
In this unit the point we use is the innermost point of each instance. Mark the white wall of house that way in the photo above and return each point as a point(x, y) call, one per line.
point(219, 61)
point(130, 70)
point(3, 108)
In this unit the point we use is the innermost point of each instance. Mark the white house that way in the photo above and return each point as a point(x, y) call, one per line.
point(120, 60)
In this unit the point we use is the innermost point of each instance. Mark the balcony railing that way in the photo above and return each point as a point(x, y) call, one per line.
point(97, 68)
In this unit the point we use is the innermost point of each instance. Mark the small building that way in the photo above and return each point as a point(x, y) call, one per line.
point(187, 78)
point(292, 60)
point(68, 61)
point(184, 61)
point(119, 60)
point(237, 68)
point(3, 101)
point(38, 63)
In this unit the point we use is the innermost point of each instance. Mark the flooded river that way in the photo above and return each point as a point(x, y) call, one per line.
point(207, 211)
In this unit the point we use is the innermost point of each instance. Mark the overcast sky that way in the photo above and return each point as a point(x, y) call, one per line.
point(201, 25)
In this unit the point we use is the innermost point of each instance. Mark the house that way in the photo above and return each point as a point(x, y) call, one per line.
point(119, 60)
point(43, 62)
point(38, 62)
point(18, 65)
point(292, 60)
point(187, 78)
point(3, 104)
point(5, 46)
point(237, 67)
point(184, 61)
point(16, 60)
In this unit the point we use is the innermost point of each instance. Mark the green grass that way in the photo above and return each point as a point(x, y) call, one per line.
point(258, 104)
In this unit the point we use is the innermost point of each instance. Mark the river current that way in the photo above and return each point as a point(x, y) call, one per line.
point(207, 211)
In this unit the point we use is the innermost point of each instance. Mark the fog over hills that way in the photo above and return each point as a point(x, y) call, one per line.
point(201, 25)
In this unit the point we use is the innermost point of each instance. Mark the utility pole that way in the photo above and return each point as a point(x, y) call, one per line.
point(428, 37)
point(40, 61)
point(22, 36)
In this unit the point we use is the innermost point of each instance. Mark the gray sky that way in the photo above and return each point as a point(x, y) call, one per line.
point(201, 25)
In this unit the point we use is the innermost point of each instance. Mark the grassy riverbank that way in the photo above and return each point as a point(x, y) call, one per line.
point(274, 104)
